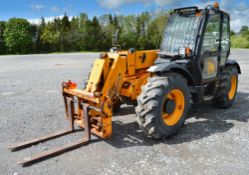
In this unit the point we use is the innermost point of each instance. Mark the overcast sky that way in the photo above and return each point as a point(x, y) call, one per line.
point(34, 9)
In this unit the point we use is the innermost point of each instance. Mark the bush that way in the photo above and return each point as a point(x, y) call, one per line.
point(17, 36)
point(2, 44)
point(239, 41)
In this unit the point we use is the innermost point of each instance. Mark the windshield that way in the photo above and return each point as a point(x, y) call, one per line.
point(181, 31)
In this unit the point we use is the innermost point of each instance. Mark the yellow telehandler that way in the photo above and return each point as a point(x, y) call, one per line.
point(191, 66)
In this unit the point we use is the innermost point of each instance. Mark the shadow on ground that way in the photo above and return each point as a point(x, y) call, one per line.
point(204, 120)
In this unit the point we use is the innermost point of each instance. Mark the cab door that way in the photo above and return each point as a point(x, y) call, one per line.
point(225, 40)
point(210, 50)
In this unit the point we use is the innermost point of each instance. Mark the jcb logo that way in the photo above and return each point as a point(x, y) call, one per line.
point(211, 67)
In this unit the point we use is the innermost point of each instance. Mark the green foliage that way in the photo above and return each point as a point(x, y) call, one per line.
point(93, 35)
point(244, 31)
point(50, 37)
point(144, 31)
point(156, 29)
point(239, 42)
point(17, 36)
point(2, 43)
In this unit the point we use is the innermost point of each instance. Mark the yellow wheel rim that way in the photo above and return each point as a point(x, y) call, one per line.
point(232, 91)
point(177, 96)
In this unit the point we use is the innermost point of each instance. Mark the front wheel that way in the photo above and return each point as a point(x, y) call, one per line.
point(163, 105)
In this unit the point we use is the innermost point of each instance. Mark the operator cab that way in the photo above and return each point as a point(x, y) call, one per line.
point(188, 25)
point(199, 36)
point(181, 33)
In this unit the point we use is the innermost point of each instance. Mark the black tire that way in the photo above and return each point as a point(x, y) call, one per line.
point(221, 98)
point(151, 101)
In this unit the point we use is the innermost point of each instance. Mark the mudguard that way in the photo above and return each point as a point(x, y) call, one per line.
point(233, 63)
point(172, 67)
point(162, 67)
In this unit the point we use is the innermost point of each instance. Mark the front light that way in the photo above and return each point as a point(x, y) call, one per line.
point(182, 51)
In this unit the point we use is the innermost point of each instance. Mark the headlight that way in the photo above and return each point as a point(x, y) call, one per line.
point(184, 51)
point(181, 51)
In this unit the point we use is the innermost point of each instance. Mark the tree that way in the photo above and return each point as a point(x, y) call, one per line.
point(2, 43)
point(42, 45)
point(115, 21)
point(142, 31)
point(17, 36)
point(155, 31)
point(108, 29)
point(128, 35)
point(107, 33)
point(64, 31)
point(82, 19)
point(34, 31)
point(50, 37)
point(232, 33)
point(65, 23)
point(142, 24)
point(92, 35)
point(110, 19)
point(244, 31)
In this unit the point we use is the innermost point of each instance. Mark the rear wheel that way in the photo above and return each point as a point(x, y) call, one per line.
point(163, 105)
point(227, 89)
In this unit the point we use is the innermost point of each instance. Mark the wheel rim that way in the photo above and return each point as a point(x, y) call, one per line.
point(232, 91)
point(177, 96)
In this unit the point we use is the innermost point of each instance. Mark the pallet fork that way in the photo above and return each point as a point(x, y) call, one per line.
point(70, 113)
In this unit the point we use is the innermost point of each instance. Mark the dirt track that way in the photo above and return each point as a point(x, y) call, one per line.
point(213, 141)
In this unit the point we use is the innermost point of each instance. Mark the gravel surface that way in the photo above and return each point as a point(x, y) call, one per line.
point(213, 141)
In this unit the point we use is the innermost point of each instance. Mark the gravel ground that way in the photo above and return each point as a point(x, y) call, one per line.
point(213, 141)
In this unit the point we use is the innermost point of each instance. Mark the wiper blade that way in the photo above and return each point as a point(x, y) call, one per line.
point(164, 55)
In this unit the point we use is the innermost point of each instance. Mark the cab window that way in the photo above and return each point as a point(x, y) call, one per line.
point(225, 40)
point(212, 35)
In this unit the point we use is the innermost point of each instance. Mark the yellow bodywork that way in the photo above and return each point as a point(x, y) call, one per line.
point(113, 76)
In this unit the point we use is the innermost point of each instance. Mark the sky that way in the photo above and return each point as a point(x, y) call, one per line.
point(33, 10)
